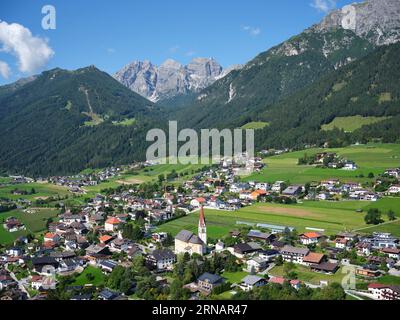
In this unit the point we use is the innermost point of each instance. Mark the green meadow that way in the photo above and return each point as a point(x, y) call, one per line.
point(350, 124)
point(333, 217)
point(255, 125)
point(42, 190)
point(375, 158)
point(34, 222)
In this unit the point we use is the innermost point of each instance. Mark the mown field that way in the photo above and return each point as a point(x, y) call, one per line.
point(42, 190)
point(34, 222)
point(308, 276)
point(333, 217)
point(375, 158)
point(350, 124)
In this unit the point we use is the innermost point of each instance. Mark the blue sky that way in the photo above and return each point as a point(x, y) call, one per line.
point(110, 34)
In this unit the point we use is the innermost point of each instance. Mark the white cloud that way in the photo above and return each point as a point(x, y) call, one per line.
point(111, 50)
point(324, 5)
point(253, 31)
point(32, 52)
point(4, 69)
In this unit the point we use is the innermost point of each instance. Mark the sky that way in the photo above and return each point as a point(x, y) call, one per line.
point(110, 34)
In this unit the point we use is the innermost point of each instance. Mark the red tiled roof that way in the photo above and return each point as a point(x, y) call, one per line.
point(313, 257)
point(278, 280)
point(377, 286)
point(113, 220)
point(311, 235)
point(105, 238)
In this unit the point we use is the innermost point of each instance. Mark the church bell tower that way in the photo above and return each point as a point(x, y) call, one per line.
point(202, 226)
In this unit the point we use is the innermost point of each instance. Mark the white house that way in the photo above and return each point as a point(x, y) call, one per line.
point(395, 189)
point(250, 282)
point(256, 264)
point(310, 238)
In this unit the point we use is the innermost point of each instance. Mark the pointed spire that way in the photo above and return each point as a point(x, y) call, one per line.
point(202, 221)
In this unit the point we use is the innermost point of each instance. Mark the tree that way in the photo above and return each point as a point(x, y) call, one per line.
point(391, 215)
point(177, 292)
point(373, 216)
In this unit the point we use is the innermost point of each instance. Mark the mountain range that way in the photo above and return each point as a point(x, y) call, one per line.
point(171, 79)
point(65, 121)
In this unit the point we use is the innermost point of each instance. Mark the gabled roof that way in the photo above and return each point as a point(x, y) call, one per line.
point(113, 220)
point(251, 280)
point(313, 257)
point(211, 278)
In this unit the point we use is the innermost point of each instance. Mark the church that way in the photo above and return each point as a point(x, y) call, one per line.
point(187, 241)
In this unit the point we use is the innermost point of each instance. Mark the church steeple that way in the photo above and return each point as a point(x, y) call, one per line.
point(202, 226)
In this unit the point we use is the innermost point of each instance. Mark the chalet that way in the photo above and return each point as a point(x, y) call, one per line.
point(393, 172)
point(256, 264)
point(341, 243)
point(258, 235)
point(242, 249)
point(394, 189)
point(325, 267)
point(313, 258)
point(310, 238)
point(393, 253)
point(384, 292)
point(347, 235)
point(207, 282)
point(13, 225)
point(279, 280)
point(161, 259)
point(44, 265)
point(277, 186)
point(112, 224)
point(293, 254)
point(51, 237)
point(368, 272)
point(107, 265)
point(250, 282)
point(105, 239)
point(364, 248)
point(134, 251)
point(268, 255)
point(292, 191)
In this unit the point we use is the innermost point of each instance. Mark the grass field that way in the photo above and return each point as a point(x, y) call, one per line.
point(333, 217)
point(350, 124)
point(234, 277)
point(255, 125)
point(43, 190)
point(308, 276)
point(82, 279)
point(375, 158)
point(34, 222)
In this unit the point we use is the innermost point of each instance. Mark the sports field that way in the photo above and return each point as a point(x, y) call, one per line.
point(375, 158)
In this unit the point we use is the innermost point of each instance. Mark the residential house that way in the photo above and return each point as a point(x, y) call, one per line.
point(112, 224)
point(292, 191)
point(310, 238)
point(250, 282)
point(207, 282)
point(256, 264)
point(161, 259)
point(294, 254)
point(393, 253)
point(384, 292)
point(313, 258)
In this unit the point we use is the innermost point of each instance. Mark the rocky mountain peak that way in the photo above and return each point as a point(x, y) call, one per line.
point(375, 20)
point(169, 79)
